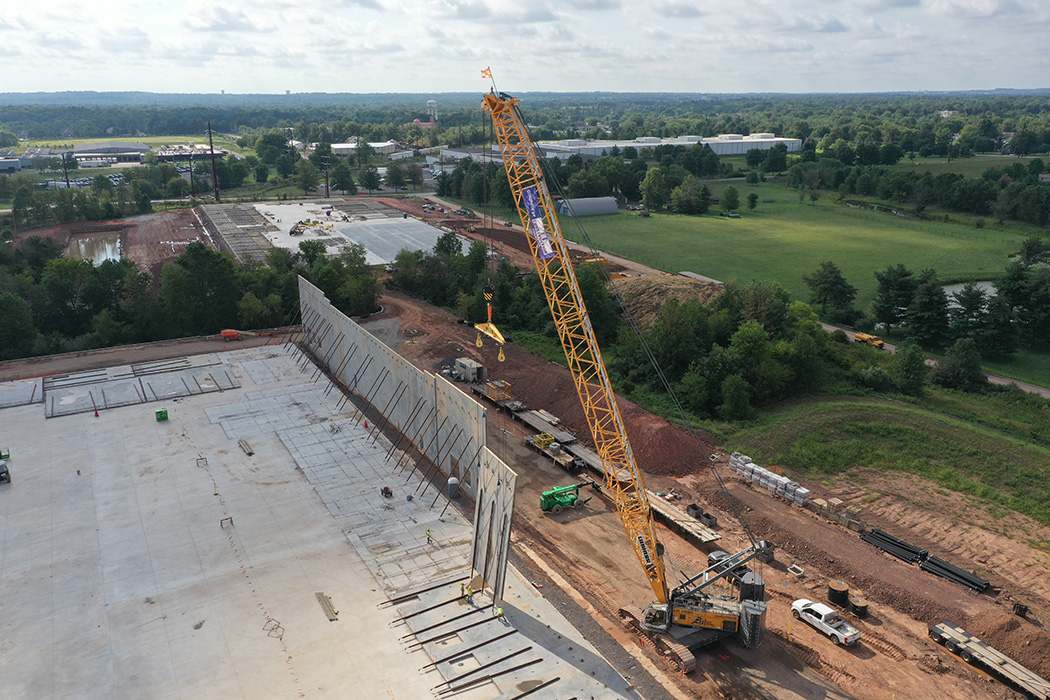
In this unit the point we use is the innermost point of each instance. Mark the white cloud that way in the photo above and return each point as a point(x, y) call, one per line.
point(677, 8)
point(216, 18)
point(972, 9)
point(440, 45)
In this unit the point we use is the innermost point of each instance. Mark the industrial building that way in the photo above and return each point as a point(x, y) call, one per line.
point(723, 144)
point(111, 152)
point(380, 147)
point(187, 152)
point(588, 206)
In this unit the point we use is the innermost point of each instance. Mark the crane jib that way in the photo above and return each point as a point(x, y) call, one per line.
point(530, 199)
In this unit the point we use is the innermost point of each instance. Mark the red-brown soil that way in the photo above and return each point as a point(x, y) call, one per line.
point(150, 240)
point(895, 656)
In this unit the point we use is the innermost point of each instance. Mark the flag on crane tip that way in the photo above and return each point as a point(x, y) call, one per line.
point(487, 73)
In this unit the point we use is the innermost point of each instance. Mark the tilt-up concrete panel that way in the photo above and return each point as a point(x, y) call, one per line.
point(434, 418)
point(492, 520)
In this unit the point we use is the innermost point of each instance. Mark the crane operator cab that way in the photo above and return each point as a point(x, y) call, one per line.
point(656, 618)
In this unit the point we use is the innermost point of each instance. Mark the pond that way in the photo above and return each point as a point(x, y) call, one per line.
point(97, 247)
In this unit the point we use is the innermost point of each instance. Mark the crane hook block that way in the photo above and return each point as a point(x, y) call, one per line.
point(502, 357)
point(478, 341)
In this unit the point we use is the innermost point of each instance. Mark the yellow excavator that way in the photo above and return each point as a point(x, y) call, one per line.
point(692, 613)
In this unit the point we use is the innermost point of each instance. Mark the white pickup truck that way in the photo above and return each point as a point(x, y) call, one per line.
point(826, 620)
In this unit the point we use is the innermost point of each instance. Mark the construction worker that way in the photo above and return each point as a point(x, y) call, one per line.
point(498, 612)
point(429, 538)
point(462, 589)
point(470, 595)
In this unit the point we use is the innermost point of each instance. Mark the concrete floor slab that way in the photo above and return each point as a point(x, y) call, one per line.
point(127, 580)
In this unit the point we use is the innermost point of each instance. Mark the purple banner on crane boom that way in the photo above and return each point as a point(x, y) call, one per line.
point(531, 201)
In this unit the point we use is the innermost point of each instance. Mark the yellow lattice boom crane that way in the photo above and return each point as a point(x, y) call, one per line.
point(689, 605)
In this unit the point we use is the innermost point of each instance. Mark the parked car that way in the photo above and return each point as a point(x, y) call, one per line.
point(826, 620)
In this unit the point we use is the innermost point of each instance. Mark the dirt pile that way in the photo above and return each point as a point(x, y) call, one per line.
point(1019, 639)
point(660, 447)
point(645, 296)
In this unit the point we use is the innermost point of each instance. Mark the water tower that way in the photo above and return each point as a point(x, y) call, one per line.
point(432, 110)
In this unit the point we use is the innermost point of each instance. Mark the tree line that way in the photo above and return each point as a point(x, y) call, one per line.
point(51, 304)
point(916, 305)
point(1011, 191)
point(752, 345)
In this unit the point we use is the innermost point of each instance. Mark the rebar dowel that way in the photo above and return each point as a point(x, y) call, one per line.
point(213, 381)
point(530, 691)
point(490, 664)
point(445, 622)
point(482, 679)
point(419, 643)
point(428, 609)
point(469, 649)
point(413, 594)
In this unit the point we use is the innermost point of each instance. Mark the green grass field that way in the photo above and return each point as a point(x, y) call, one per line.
point(785, 240)
point(1006, 463)
point(153, 141)
point(970, 167)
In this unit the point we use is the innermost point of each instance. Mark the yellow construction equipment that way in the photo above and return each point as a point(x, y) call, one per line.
point(689, 605)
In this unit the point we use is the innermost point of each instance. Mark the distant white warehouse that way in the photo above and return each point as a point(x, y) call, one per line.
point(723, 144)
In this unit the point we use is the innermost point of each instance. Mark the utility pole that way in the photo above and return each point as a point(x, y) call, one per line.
point(65, 167)
point(214, 172)
point(324, 161)
point(193, 193)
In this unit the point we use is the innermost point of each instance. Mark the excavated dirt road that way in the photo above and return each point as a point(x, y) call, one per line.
point(589, 550)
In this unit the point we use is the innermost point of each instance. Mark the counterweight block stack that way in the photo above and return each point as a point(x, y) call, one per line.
point(779, 485)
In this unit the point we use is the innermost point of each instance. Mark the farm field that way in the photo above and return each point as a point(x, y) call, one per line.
point(785, 240)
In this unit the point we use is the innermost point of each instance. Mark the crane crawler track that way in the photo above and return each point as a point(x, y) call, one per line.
point(678, 655)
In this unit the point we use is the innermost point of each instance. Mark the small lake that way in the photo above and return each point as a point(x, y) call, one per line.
point(96, 247)
point(988, 287)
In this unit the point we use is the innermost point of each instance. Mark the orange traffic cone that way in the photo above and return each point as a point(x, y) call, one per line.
point(96, 413)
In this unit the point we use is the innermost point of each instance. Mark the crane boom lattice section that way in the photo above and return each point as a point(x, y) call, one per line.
point(577, 336)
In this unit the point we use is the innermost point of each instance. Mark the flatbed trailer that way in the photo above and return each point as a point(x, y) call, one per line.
point(977, 653)
point(558, 456)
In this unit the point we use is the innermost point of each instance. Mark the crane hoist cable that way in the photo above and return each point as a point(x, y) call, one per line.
point(489, 290)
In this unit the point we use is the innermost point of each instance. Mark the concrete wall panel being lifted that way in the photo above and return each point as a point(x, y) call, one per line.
point(432, 415)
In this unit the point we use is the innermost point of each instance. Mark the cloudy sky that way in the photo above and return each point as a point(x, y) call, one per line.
point(269, 46)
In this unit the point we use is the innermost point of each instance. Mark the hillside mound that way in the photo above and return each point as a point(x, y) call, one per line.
point(645, 296)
